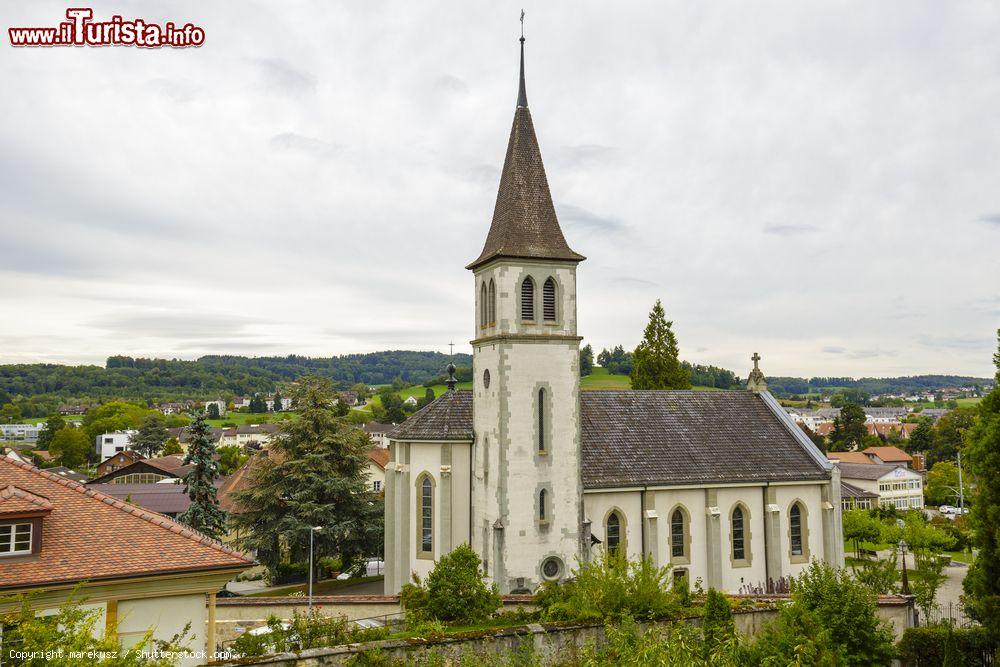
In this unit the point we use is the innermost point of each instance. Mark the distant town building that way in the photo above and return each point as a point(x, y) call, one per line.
point(20, 432)
point(117, 462)
point(853, 498)
point(377, 432)
point(220, 406)
point(109, 444)
point(147, 471)
point(69, 410)
point(895, 485)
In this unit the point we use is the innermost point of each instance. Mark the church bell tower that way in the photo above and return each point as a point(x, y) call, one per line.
point(526, 483)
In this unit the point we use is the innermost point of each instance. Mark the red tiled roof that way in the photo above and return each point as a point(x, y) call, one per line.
point(91, 536)
point(18, 501)
point(380, 455)
point(889, 454)
point(849, 457)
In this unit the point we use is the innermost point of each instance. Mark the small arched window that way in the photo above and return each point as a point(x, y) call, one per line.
point(739, 534)
point(528, 299)
point(549, 300)
point(542, 515)
point(426, 515)
point(541, 420)
point(613, 531)
point(795, 529)
point(493, 303)
point(483, 305)
point(677, 546)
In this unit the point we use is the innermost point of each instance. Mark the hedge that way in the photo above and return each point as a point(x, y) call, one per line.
point(925, 646)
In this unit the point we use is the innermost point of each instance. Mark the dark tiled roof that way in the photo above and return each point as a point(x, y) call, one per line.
point(851, 491)
point(869, 471)
point(524, 220)
point(448, 417)
point(633, 438)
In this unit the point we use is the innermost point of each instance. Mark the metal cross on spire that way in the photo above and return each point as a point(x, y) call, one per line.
point(522, 25)
point(451, 349)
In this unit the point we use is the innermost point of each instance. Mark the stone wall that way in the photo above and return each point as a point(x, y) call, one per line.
point(549, 641)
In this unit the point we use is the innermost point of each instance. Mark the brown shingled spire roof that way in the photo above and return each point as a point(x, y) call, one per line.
point(524, 220)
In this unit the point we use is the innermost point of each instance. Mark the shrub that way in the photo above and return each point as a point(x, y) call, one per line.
point(455, 591)
point(611, 587)
point(718, 626)
point(304, 631)
point(797, 637)
point(677, 645)
point(288, 573)
point(879, 576)
point(926, 646)
point(847, 610)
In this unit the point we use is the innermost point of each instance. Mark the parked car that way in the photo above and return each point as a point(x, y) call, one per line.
point(948, 509)
point(371, 567)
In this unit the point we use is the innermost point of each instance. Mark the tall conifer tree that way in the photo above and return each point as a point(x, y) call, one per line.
point(655, 363)
point(204, 514)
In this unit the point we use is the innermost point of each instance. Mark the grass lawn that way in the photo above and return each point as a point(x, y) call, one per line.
point(240, 418)
point(600, 378)
point(325, 587)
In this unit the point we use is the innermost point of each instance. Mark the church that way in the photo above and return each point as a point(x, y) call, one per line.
point(535, 474)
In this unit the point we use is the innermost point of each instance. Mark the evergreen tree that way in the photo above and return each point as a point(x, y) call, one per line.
point(212, 411)
point(922, 437)
point(258, 404)
point(655, 363)
point(586, 360)
point(53, 424)
point(982, 584)
point(277, 402)
point(204, 514)
point(314, 476)
point(848, 429)
point(151, 437)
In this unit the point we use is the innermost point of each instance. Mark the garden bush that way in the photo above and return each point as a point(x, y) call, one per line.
point(455, 591)
point(926, 646)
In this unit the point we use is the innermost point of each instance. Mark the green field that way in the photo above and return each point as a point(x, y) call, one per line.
point(240, 418)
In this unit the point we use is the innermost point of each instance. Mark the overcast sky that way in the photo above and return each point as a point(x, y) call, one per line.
point(817, 183)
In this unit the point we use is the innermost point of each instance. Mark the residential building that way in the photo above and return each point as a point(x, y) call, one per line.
point(893, 455)
point(118, 461)
point(109, 444)
point(166, 499)
point(895, 485)
point(79, 409)
point(410, 400)
point(249, 435)
point(140, 571)
point(147, 471)
point(849, 457)
point(20, 432)
point(378, 457)
point(377, 432)
point(885, 415)
point(348, 397)
point(851, 497)
point(535, 475)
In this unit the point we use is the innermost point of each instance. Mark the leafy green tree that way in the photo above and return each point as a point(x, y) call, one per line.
point(949, 434)
point(982, 583)
point(922, 437)
point(604, 358)
point(455, 591)
point(942, 484)
point(315, 476)
point(361, 389)
point(152, 435)
point(427, 398)
point(212, 411)
point(172, 446)
point(392, 403)
point(586, 360)
point(257, 404)
point(796, 637)
point(231, 459)
point(848, 429)
point(10, 414)
point(113, 416)
point(860, 526)
point(341, 409)
point(204, 513)
point(70, 447)
point(52, 424)
point(655, 363)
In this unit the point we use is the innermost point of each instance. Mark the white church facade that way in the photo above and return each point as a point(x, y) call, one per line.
point(535, 474)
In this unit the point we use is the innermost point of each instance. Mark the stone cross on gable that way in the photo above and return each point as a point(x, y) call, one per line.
point(756, 381)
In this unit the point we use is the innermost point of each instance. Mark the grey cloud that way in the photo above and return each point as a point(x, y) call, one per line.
point(834, 349)
point(639, 282)
point(452, 84)
point(575, 216)
point(290, 141)
point(993, 219)
point(790, 230)
point(279, 75)
point(584, 154)
point(177, 90)
point(180, 325)
point(957, 342)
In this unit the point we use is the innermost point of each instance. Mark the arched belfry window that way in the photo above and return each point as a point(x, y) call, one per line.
point(528, 299)
point(542, 509)
point(541, 420)
point(613, 531)
point(493, 304)
point(425, 529)
point(549, 300)
point(483, 305)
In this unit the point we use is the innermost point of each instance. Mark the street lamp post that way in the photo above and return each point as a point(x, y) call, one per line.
point(312, 531)
point(905, 590)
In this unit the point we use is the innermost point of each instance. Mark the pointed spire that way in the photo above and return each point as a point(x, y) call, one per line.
point(522, 93)
point(524, 219)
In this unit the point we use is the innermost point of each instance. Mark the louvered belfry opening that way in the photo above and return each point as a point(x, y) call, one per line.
point(528, 299)
point(549, 300)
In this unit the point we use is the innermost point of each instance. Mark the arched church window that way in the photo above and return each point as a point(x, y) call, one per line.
point(541, 420)
point(613, 531)
point(549, 300)
point(426, 515)
point(493, 304)
point(542, 512)
point(739, 534)
point(677, 534)
point(528, 299)
point(483, 313)
point(795, 529)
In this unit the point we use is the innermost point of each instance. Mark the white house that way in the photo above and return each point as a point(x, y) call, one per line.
point(20, 432)
point(534, 473)
point(109, 444)
point(220, 405)
point(896, 485)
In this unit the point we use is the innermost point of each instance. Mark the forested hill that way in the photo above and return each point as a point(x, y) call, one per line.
point(911, 384)
point(165, 379)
